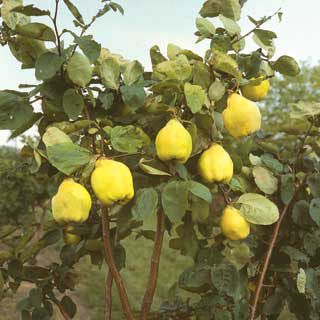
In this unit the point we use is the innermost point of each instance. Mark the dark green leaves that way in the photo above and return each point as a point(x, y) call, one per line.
point(315, 210)
point(257, 209)
point(74, 10)
point(175, 200)
point(73, 103)
point(47, 65)
point(69, 306)
point(79, 69)
point(132, 72)
point(211, 8)
point(195, 280)
point(231, 9)
point(14, 111)
point(128, 139)
point(63, 153)
point(287, 188)
point(146, 203)
point(286, 65)
point(30, 10)
point(37, 31)
point(133, 96)
point(89, 47)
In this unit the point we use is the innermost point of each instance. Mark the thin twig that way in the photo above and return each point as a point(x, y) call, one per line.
point(256, 27)
point(54, 20)
point(112, 266)
point(154, 267)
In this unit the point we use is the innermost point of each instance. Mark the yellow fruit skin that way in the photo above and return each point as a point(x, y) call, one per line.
point(112, 182)
point(72, 203)
point(215, 165)
point(174, 142)
point(69, 237)
point(241, 117)
point(233, 225)
point(256, 92)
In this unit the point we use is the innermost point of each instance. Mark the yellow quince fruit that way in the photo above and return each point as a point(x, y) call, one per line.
point(215, 165)
point(72, 203)
point(69, 237)
point(112, 182)
point(242, 116)
point(256, 92)
point(233, 225)
point(174, 142)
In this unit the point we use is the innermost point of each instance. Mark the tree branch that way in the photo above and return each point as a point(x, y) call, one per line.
point(154, 267)
point(255, 28)
point(112, 266)
point(54, 20)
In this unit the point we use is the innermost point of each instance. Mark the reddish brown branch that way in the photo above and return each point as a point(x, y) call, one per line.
point(112, 266)
point(108, 296)
point(154, 267)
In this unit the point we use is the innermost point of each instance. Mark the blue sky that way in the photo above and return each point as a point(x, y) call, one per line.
point(150, 22)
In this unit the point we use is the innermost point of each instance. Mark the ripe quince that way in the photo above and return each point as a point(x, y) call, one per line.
point(69, 237)
point(256, 92)
point(72, 203)
point(174, 142)
point(215, 165)
point(242, 116)
point(112, 182)
point(233, 225)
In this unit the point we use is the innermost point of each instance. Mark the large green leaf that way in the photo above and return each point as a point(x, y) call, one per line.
point(30, 10)
point(195, 96)
point(47, 65)
point(133, 96)
point(132, 72)
point(201, 75)
point(74, 10)
point(11, 18)
point(265, 180)
point(230, 25)
point(73, 103)
point(257, 209)
point(225, 63)
point(200, 190)
point(79, 69)
point(128, 139)
point(314, 210)
point(231, 9)
point(36, 30)
point(174, 200)
point(89, 47)
point(205, 27)
point(303, 109)
point(211, 8)
point(146, 203)
point(195, 280)
point(216, 90)
point(14, 111)
point(110, 73)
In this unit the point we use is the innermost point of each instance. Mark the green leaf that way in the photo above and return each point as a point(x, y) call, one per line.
point(201, 75)
point(301, 281)
point(73, 103)
point(79, 69)
point(106, 99)
point(146, 204)
point(26, 125)
point(54, 136)
point(156, 56)
point(230, 25)
point(257, 209)
point(225, 63)
point(295, 254)
point(286, 65)
point(195, 96)
point(211, 8)
point(151, 170)
point(11, 18)
point(265, 180)
point(205, 27)
point(286, 314)
point(225, 277)
point(14, 111)
point(73, 9)
point(239, 255)
point(69, 306)
point(314, 210)
point(173, 51)
point(303, 109)
point(270, 162)
point(110, 73)
point(67, 157)
point(128, 139)
point(264, 39)
point(178, 69)
point(216, 90)
point(37, 31)
point(195, 280)
point(174, 200)
point(132, 72)
point(200, 190)
point(47, 65)
point(30, 10)
point(89, 47)
point(200, 209)
point(133, 96)
point(287, 188)
point(231, 9)
point(313, 181)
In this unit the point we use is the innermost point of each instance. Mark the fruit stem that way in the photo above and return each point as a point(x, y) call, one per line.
point(154, 267)
point(112, 266)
